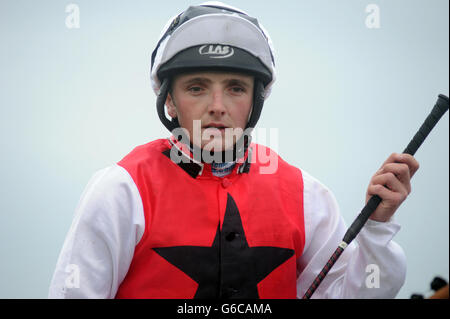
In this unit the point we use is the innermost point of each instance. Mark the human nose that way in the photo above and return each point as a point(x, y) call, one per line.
point(217, 104)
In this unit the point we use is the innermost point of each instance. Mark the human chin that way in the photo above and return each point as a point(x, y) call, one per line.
point(213, 140)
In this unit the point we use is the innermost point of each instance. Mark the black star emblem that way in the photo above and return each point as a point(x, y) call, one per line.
point(229, 268)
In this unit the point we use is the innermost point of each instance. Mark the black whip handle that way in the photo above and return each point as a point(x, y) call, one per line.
point(435, 115)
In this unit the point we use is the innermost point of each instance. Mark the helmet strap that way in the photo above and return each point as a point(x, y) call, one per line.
point(258, 102)
point(161, 103)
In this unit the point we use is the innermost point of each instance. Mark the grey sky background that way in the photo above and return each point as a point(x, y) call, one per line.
point(76, 100)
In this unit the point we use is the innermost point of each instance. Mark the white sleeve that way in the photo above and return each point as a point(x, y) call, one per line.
point(97, 252)
point(372, 266)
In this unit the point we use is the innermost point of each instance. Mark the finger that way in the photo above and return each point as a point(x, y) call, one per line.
point(407, 159)
point(401, 171)
point(390, 181)
point(386, 194)
point(393, 158)
point(412, 163)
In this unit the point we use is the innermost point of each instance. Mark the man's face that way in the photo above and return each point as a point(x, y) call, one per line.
point(213, 104)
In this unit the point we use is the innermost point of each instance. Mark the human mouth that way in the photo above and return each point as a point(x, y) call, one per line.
point(214, 127)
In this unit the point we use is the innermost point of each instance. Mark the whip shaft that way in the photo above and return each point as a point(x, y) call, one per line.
point(435, 115)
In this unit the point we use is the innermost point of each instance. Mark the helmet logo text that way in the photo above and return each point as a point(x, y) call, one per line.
point(216, 51)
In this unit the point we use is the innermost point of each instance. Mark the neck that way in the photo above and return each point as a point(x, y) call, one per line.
point(222, 169)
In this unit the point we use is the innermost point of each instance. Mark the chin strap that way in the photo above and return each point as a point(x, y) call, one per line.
point(258, 102)
point(160, 106)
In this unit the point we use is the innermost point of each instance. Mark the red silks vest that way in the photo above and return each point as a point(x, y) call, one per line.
point(238, 236)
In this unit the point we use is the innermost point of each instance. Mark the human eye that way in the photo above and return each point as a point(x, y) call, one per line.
point(195, 89)
point(237, 89)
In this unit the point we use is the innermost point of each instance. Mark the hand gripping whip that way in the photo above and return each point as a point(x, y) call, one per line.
point(438, 111)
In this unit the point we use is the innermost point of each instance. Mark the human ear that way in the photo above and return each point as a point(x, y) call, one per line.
point(170, 104)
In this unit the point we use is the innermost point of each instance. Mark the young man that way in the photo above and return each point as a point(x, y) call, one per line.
point(196, 216)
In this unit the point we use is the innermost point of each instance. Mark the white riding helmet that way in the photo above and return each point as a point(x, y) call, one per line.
point(213, 36)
